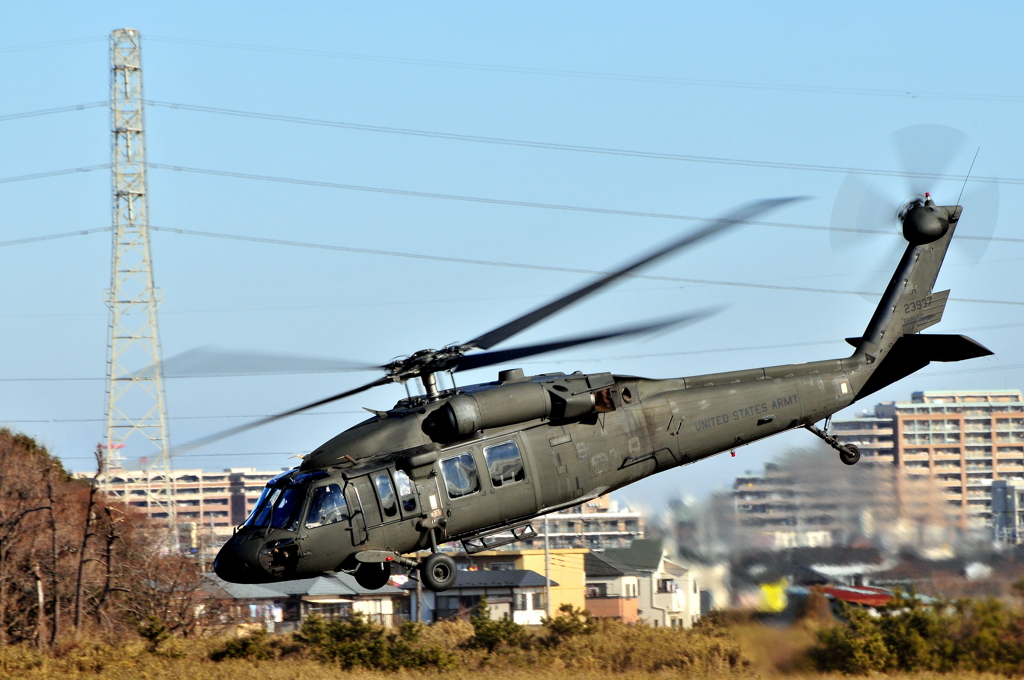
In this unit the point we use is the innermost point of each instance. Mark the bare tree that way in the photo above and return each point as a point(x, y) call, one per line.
point(88, 532)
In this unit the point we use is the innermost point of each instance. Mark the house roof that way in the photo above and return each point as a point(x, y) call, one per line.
point(599, 566)
point(642, 553)
point(499, 578)
point(343, 585)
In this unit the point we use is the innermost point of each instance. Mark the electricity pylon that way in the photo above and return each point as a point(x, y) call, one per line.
point(136, 412)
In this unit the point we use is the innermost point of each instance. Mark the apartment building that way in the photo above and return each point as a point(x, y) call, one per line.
point(965, 440)
point(598, 524)
point(214, 502)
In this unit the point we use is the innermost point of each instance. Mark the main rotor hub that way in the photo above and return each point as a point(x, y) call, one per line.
point(424, 363)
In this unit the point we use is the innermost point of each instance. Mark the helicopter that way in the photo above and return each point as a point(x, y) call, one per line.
point(477, 464)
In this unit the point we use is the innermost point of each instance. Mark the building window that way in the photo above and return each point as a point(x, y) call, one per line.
point(666, 585)
point(460, 475)
point(504, 464)
point(597, 590)
point(538, 602)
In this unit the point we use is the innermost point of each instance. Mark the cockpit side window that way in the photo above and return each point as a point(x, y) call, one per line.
point(504, 464)
point(327, 507)
point(406, 491)
point(388, 502)
point(286, 510)
point(460, 475)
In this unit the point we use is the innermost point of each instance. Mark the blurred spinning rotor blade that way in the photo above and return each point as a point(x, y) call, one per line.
point(977, 225)
point(500, 356)
point(861, 210)
point(209, 361)
point(224, 434)
point(506, 331)
point(925, 151)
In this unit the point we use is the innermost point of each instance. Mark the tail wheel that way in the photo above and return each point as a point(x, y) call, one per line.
point(373, 575)
point(849, 454)
point(438, 572)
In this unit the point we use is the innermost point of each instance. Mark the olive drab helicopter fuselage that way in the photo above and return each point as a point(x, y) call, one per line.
point(476, 464)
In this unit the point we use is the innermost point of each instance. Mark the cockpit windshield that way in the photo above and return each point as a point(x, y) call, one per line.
point(280, 507)
point(286, 510)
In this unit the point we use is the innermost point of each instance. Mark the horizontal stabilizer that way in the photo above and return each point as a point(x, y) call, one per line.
point(911, 353)
point(945, 347)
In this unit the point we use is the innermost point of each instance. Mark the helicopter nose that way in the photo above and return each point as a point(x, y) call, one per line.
point(238, 560)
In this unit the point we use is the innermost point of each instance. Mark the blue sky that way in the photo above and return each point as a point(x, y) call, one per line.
point(820, 84)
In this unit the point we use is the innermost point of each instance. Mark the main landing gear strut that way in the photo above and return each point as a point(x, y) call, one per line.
point(437, 571)
point(848, 453)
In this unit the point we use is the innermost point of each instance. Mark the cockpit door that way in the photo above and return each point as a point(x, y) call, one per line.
point(358, 518)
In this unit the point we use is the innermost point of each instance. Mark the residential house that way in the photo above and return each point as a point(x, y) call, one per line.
point(511, 593)
point(612, 588)
point(668, 591)
point(565, 568)
point(284, 605)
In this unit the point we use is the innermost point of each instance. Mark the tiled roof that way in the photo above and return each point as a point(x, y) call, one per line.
point(603, 566)
point(642, 553)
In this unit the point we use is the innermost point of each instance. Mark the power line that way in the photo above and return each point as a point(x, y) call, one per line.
point(203, 455)
point(47, 112)
point(509, 202)
point(571, 270)
point(224, 417)
point(54, 173)
point(518, 265)
point(716, 350)
point(51, 237)
point(654, 155)
point(572, 147)
point(55, 43)
point(595, 75)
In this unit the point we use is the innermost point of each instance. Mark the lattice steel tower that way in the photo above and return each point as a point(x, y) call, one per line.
point(136, 413)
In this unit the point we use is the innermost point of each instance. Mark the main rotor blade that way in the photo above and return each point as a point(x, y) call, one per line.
point(202, 362)
point(224, 434)
point(506, 331)
point(501, 356)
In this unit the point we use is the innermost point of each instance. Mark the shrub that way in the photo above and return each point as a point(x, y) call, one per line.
point(253, 646)
point(358, 643)
point(154, 631)
point(569, 623)
point(493, 635)
point(908, 635)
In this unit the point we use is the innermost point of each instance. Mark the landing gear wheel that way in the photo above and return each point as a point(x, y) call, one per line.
point(373, 575)
point(850, 455)
point(438, 572)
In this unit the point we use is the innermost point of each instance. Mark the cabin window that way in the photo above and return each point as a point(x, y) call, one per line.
point(504, 464)
point(460, 475)
point(286, 510)
point(386, 492)
point(406, 491)
point(327, 507)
